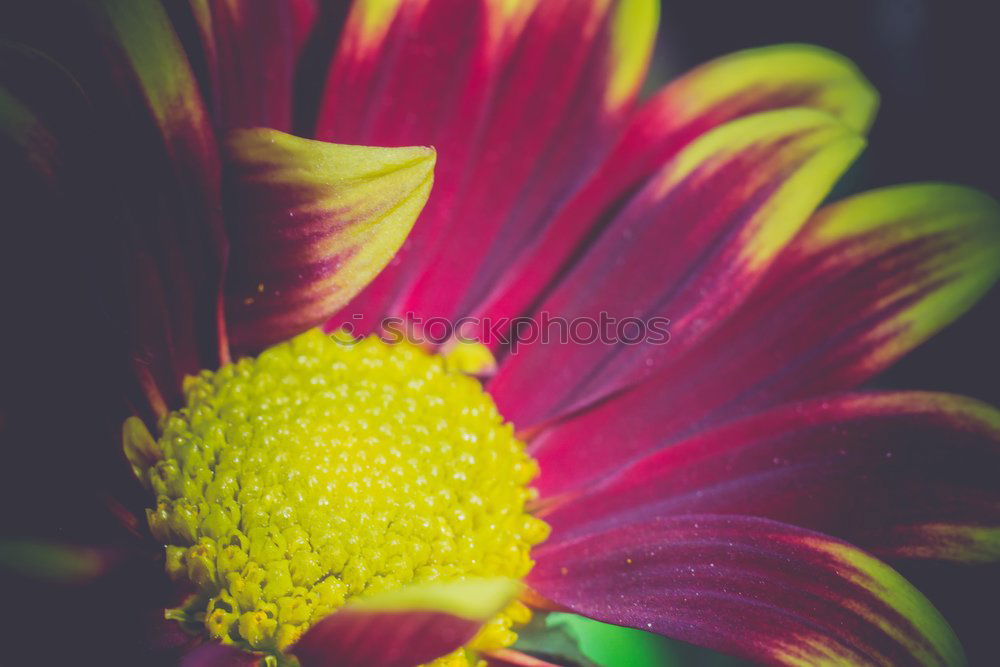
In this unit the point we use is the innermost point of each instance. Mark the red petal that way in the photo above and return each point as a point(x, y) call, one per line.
point(158, 168)
point(312, 224)
point(729, 87)
point(251, 49)
point(907, 474)
point(383, 639)
point(521, 100)
point(688, 247)
point(406, 627)
point(869, 278)
point(754, 588)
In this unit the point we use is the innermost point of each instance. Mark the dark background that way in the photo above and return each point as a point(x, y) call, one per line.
point(935, 63)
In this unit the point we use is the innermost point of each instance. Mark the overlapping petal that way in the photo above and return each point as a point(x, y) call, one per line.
point(900, 474)
point(178, 246)
point(251, 50)
point(721, 90)
point(866, 280)
point(312, 224)
point(750, 587)
point(32, 127)
point(689, 247)
point(404, 628)
point(504, 91)
point(900, 262)
point(155, 194)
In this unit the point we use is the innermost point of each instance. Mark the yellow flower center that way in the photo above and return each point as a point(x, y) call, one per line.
point(327, 469)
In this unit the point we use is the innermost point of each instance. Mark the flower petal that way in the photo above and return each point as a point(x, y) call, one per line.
point(178, 253)
point(511, 658)
point(251, 49)
point(689, 247)
point(312, 224)
point(754, 588)
point(900, 262)
point(156, 180)
point(404, 628)
point(866, 280)
point(504, 91)
point(900, 474)
point(721, 90)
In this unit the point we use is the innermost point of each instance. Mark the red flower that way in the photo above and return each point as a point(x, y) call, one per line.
point(730, 488)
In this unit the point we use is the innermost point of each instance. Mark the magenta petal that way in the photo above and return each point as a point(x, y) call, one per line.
point(758, 589)
point(251, 50)
point(901, 474)
point(734, 85)
point(405, 627)
point(521, 100)
point(687, 249)
point(312, 223)
point(865, 280)
point(383, 638)
point(156, 171)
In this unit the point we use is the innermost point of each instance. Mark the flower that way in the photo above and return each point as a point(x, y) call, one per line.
point(731, 488)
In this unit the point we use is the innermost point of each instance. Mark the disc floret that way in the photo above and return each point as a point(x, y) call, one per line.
point(326, 469)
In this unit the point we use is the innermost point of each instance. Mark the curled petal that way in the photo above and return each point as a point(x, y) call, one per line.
point(758, 589)
point(404, 628)
point(312, 224)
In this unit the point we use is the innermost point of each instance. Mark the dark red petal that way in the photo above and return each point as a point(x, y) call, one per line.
point(251, 50)
point(721, 90)
point(178, 245)
point(406, 627)
point(311, 224)
point(383, 639)
point(688, 248)
point(868, 279)
point(901, 474)
point(754, 588)
point(154, 177)
point(521, 100)
point(865, 281)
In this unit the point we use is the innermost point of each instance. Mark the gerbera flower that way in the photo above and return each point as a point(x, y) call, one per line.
point(356, 501)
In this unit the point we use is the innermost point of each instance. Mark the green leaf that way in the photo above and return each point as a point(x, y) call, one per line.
point(613, 646)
